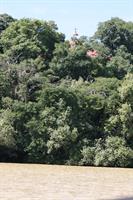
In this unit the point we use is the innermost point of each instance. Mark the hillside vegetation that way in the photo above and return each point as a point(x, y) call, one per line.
point(66, 102)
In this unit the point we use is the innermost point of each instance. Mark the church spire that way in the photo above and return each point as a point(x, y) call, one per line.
point(74, 39)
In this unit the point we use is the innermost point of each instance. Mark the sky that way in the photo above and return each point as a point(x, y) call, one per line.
point(70, 14)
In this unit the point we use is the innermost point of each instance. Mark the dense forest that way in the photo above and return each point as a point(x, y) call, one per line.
point(66, 102)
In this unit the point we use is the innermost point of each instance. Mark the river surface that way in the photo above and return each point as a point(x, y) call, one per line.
point(46, 182)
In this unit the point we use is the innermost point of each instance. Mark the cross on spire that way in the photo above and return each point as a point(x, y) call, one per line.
point(75, 32)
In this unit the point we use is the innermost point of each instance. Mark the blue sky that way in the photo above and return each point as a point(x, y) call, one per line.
point(69, 14)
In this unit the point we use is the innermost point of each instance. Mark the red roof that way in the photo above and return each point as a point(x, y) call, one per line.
point(92, 53)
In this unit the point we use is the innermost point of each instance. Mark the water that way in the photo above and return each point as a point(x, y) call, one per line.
point(43, 182)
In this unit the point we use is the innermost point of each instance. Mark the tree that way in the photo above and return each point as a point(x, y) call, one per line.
point(27, 38)
point(121, 124)
point(114, 33)
point(126, 89)
point(5, 89)
point(113, 153)
point(5, 21)
point(73, 63)
point(120, 64)
point(66, 102)
point(51, 135)
point(8, 145)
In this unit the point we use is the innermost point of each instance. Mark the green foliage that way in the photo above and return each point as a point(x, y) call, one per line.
point(58, 103)
point(28, 38)
point(114, 33)
point(5, 21)
point(120, 64)
point(7, 132)
point(8, 145)
point(88, 155)
point(71, 63)
point(121, 124)
point(113, 152)
point(126, 89)
point(51, 134)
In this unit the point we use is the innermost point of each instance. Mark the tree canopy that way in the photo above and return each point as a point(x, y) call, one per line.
point(66, 101)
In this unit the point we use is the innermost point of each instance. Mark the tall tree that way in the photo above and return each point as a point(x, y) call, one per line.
point(114, 33)
point(27, 38)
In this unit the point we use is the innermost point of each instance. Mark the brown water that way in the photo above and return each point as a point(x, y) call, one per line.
point(43, 182)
